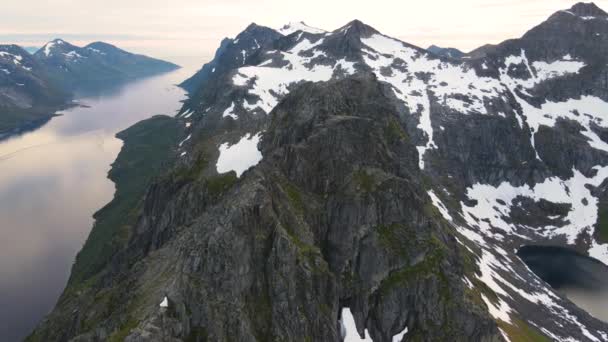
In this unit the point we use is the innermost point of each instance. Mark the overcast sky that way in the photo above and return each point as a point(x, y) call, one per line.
point(165, 28)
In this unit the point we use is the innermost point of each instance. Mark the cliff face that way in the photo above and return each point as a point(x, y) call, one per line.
point(388, 194)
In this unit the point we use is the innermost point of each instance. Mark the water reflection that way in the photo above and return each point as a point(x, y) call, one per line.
point(51, 181)
point(582, 279)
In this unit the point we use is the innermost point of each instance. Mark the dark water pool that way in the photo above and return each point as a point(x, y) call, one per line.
point(584, 280)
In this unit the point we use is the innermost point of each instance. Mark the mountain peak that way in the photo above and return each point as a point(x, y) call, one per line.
point(255, 29)
point(358, 28)
point(587, 9)
point(56, 43)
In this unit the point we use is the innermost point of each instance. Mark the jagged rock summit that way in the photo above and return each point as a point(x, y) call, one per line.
point(344, 184)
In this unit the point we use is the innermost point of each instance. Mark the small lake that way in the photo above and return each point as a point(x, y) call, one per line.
point(52, 180)
point(582, 279)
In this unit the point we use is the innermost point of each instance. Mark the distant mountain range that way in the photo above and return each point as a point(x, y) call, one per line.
point(445, 52)
point(27, 94)
point(95, 65)
point(31, 49)
point(347, 186)
point(34, 86)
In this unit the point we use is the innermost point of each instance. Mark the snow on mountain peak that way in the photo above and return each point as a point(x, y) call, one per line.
point(48, 47)
point(586, 11)
point(299, 26)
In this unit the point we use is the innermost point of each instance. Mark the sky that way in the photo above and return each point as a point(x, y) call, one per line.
point(167, 29)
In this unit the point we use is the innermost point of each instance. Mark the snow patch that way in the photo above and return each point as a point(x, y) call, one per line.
point(164, 303)
point(229, 112)
point(494, 205)
point(449, 83)
point(399, 336)
point(292, 27)
point(272, 83)
point(240, 156)
point(183, 141)
point(349, 328)
point(440, 206)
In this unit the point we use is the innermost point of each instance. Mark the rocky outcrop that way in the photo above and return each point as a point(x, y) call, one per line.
point(279, 254)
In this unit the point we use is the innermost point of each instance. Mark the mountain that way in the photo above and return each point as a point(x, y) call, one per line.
point(34, 87)
point(345, 185)
point(445, 52)
point(95, 65)
point(31, 49)
point(27, 95)
point(232, 54)
point(481, 51)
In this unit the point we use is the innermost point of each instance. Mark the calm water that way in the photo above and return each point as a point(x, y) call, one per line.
point(52, 180)
point(582, 279)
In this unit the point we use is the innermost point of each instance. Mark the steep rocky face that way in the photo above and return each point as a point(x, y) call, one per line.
point(376, 202)
point(232, 54)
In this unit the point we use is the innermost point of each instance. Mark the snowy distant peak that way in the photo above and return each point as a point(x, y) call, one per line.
point(357, 28)
point(299, 26)
point(14, 57)
point(55, 45)
point(587, 10)
point(104, 48)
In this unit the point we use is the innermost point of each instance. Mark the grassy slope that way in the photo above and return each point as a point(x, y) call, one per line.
point(147, 145)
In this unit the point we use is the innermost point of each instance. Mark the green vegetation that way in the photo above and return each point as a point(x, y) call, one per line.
point(365, 180)
point(123, 332)
point(396, 238)
point(602, 222)
point(393, 131)
point(217, 185)
point(197, 334)
point(294, 195)
point(308, 253)
point(148, 145)
point(427, 267)
point(18, 118)
point(520, 331)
